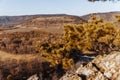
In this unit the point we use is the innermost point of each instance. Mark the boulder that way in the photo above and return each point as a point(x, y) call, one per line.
point(103, 67)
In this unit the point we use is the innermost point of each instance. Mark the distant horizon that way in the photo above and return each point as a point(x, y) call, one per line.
point(71, 7)
point(57, 14)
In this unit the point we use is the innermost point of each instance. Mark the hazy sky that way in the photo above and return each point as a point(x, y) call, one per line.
point(73, 7)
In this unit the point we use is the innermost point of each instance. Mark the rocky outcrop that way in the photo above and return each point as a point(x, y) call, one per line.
point(103, 67)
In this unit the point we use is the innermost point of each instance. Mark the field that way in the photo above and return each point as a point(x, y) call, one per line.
point(19, 56)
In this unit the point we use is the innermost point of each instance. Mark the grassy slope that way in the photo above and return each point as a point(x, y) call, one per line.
point(26, 57)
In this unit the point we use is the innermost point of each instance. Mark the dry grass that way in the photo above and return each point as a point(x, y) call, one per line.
point(22, 66)
point(19, 66)
point(26, 57)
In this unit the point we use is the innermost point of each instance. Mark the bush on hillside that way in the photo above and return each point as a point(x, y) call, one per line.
point(97, 36)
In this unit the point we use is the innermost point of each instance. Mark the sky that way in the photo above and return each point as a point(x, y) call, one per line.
point(71, 7)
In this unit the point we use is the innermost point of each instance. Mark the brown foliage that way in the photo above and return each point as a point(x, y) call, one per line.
point(97, 36)
point(24, 42)
point(22, 70)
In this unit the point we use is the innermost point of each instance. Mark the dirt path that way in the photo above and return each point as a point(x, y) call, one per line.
point(26, 57)
point(19, 29)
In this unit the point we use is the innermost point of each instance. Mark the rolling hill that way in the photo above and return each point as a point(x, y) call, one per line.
point(49, 19)
point(108, 15)
point(15, 20)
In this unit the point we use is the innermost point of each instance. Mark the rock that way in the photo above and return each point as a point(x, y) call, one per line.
point(33, 77)
point(71, 76)
point(103, 67)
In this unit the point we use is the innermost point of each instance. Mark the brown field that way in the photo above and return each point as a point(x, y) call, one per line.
point(19, 58)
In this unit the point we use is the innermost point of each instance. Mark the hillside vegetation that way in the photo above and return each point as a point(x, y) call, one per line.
point(24, 42)
point(28, 45)
point(93, 37)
